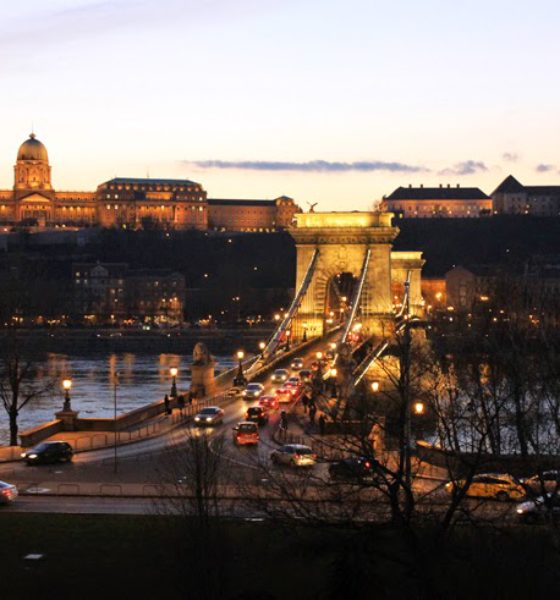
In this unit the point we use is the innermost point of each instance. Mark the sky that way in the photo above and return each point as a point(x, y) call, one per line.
point(331, 101)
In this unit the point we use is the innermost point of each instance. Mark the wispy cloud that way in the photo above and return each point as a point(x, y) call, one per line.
point(544, 168)
point(467, 167)
point(510, 157)
point(312, 166)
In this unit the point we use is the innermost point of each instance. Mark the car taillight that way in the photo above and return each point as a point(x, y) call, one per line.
point(367, 465)
point(6, 492)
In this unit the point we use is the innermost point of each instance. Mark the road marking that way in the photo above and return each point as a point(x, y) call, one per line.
point(37, 490)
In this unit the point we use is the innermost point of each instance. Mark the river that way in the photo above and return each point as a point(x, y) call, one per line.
point(142, 378)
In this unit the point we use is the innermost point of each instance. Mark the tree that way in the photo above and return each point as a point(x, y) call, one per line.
point(21, 383)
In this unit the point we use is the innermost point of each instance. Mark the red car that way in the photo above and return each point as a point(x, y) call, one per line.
point(269, 402)
point(293, 387)
point(245, 433)
point(284, 394)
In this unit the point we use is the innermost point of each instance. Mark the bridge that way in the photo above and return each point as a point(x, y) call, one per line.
point(351, 286)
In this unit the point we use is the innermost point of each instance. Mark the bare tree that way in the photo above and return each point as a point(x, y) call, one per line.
point(21, 381)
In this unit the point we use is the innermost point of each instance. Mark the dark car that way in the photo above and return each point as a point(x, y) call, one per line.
point(8, 493)
point(48, 452)
point(306, 375)
point(547, 481)
point(543, 508)
point(257, 414)
point(357, 470)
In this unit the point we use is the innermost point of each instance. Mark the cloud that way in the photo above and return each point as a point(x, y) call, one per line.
point(467, 167)
point(510, 156)
point(544, 168)
point(312, 166)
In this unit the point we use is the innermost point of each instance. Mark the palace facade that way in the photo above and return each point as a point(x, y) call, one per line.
point(130, 202)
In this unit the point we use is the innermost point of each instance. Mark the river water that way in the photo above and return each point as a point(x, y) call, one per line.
point(142, 379)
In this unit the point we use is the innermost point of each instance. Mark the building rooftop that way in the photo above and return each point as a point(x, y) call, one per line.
point(509, 185)
point(438, 193)
point(149, 181)
point(231, 202)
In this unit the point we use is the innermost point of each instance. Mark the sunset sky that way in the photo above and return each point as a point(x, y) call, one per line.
point(329, 101)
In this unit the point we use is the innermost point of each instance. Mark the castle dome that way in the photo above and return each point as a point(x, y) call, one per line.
point(32, 149)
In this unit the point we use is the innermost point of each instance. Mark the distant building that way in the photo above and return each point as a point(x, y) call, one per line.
point(134, 203)
point(513, 198)
point(432, 202)
point(113, 293)
point(130, 202)
point(251, 215)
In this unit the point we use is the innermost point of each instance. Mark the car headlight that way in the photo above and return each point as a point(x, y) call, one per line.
point(197, 418)
point(519, 511)
point(31, 456)
point(208, 419)
point(23, 455)
point(243, 393)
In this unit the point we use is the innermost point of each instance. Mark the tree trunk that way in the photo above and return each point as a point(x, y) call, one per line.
point(13, 415)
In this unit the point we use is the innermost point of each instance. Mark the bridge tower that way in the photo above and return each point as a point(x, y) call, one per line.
point(359, 243)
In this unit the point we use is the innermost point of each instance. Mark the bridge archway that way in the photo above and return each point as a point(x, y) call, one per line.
point(357, 243)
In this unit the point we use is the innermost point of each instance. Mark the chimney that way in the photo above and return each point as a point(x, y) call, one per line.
point(409, 185)
point(458, 185)
point(448, 185)
point(421, 185)
point(440, 185)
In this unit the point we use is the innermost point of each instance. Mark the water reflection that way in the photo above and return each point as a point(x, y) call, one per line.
point(142, 378)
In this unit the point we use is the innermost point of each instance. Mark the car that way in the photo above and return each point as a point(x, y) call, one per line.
point(296, 364)
point(8, 493)
point(253, 391)
point(246, 433)
point(306, 375)
point(356, 469)
point(292, 387)
point(280, 376)
point(315, 365)
point(294, 379)
point(269, 402)
point(296, 455)
point(48, 452)
point(540, 509)
point(329, 354)
point(500, 486)
point(284, 394)
point(234, 391)
point(547, 481)
point(257, 414)
point(212, 415)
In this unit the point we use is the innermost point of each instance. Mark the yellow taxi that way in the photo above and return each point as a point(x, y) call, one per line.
point(500, 486)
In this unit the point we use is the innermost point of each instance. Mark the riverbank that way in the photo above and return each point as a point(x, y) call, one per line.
point(181, 341)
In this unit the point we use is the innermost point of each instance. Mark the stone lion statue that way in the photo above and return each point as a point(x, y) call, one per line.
point(201, 356)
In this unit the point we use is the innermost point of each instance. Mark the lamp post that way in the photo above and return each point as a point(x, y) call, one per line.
point(262, 346)
point(240, 377)
point(67, 384)
point(288, 337)
point(173, 372)
point(115, 384)
point(304, 337)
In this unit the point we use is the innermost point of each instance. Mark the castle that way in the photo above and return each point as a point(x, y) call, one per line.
point(130, 202)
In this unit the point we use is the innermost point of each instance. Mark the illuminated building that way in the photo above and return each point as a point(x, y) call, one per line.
point(433, 202)
point(512, 197)
point(130, 202)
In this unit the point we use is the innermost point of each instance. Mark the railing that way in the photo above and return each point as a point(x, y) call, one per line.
point(296, 302)
point(356, 296)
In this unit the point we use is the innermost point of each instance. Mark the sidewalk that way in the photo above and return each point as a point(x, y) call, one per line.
point(85, 441)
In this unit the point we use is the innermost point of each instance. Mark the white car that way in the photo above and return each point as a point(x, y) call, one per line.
point(253, 391)
point(212, 415)
point(297, 364)
point(280, 376)
point(295, 455)
point(8, 493)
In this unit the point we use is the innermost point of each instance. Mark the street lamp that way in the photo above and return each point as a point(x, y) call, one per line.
point(419, 408)
point(375, 386)
point(66, 384)
point(262, 346)
point(240, 377)
point(288, 334)
point(173, 372)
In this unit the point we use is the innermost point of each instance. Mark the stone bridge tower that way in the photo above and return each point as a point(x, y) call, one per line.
point(359, 243)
